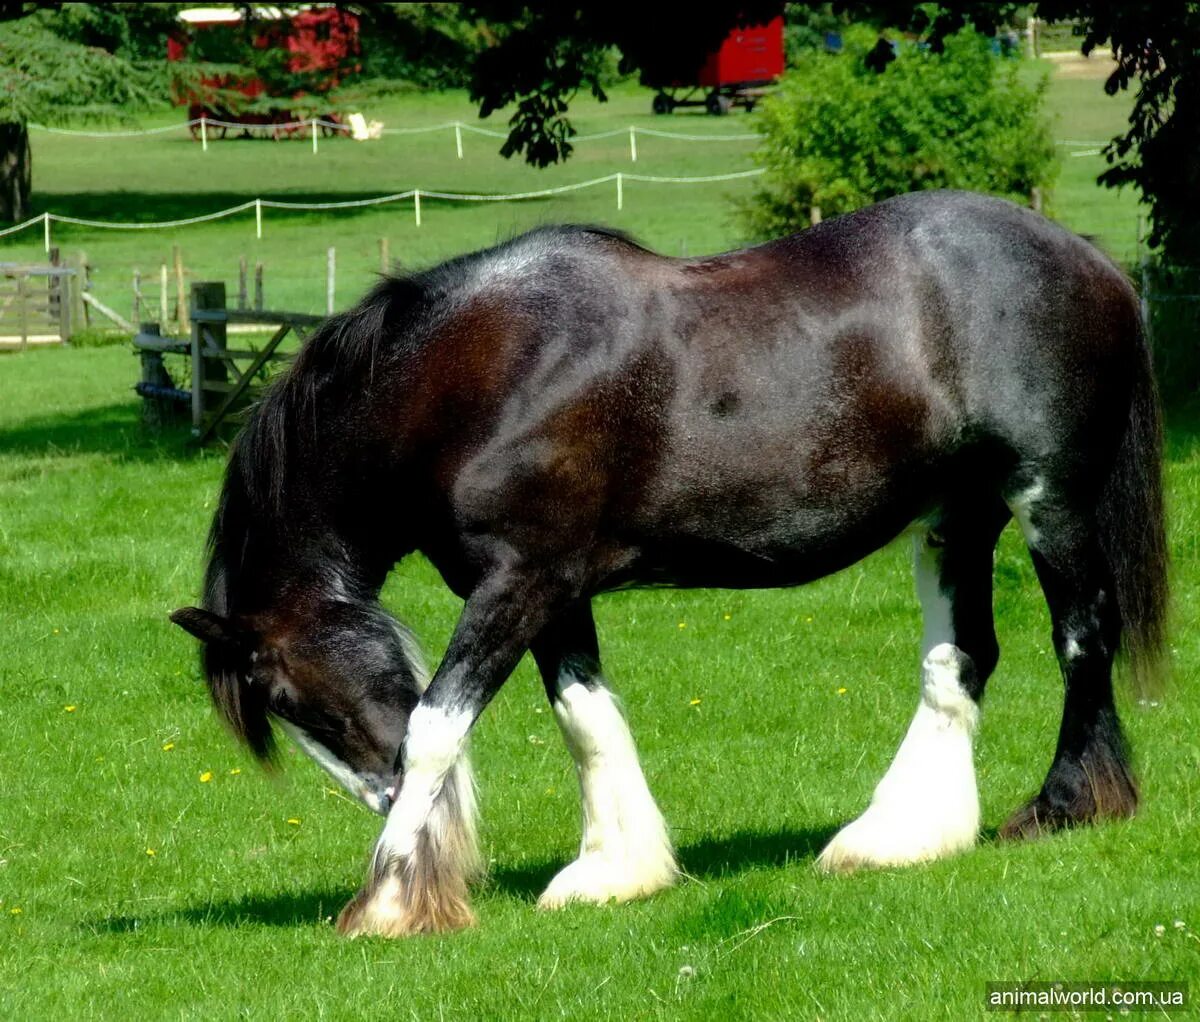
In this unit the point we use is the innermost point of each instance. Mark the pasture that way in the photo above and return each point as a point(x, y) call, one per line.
point(147, 867)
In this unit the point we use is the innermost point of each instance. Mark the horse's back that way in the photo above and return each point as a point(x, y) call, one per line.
point(775, 413)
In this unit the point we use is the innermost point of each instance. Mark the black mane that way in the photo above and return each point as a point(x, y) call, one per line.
point(271, 457)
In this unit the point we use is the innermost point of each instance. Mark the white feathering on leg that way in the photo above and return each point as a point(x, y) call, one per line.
point(625, 852)
point(927, 805)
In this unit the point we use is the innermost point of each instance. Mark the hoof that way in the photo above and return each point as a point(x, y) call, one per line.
point(1073, 797)
point(1034, 818)
point(386, 912)
point(596, 880)
point(876, 840)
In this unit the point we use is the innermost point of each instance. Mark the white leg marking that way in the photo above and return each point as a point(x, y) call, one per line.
point(433, 762)
point(625, 852)
point(927, 805)
point(936, 609)
point(1022, 506)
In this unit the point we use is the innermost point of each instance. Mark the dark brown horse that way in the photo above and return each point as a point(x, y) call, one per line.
point(569, 413)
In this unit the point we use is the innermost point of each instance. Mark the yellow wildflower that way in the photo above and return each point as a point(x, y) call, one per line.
point(293, 821)
point(151, 852)
point(694, 702)
point(70, 708)
point(206, 777)
point(168, 746)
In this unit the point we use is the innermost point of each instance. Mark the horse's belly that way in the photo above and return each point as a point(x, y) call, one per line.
point(769, 538)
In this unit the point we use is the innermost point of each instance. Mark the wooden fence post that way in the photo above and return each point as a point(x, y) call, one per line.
point(163, 309)
point(330, 279)
point(177, 258)
point(154, 409)
point(137, 295)
point(258, 286)
point(206, 365)
point(23, 307)
point(66, 292)
point(78, 309)
point(243, 292)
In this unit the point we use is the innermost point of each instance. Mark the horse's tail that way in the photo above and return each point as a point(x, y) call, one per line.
point(1132, 531)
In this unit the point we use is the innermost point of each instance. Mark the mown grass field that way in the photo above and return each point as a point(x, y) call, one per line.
point(167, 177)
point(149, 870)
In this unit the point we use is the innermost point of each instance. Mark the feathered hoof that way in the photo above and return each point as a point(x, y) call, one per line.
point(597, 880)
point(878, 840)
point(385, 912)
point(1075, 797)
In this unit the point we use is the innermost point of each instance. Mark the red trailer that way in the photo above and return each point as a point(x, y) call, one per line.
point(316, 43)
point(748, 61)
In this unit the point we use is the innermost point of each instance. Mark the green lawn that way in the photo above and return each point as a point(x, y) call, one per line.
point(165, 177)
point(132, 885)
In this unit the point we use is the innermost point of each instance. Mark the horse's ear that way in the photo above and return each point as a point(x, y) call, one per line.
point(209, 627)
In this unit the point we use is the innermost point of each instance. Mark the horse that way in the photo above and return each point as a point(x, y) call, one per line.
point(568, 413)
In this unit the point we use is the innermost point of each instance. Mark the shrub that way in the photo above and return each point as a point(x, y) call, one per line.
point(839, 135)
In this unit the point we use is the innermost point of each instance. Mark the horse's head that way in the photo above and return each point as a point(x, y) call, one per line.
point(341, 679)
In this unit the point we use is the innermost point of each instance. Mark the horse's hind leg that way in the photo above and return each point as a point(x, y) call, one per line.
point(927, 805)
point(1090, 776)
point(625, 852)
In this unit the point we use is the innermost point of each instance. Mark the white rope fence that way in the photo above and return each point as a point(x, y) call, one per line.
point(416, 194)
point(202, 128)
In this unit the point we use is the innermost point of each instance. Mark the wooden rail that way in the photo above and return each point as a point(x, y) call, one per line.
point(36, 302)
point(223, 379)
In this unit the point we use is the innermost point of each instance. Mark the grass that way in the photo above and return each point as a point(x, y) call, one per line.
point(130, 885)
point(165, 177)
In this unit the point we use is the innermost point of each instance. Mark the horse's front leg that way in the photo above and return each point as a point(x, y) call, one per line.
point(428, 851)
point(625, 852)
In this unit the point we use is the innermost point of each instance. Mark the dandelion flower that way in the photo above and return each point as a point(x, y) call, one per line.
point(168, 746)
point(70, 708)
point(694, 702)
point(16, 910)
point(842, 691)
point(294, 821)
point(235, 771)
point(206, 777)
point(682, 624)
point(728, 617)
point(151, 852)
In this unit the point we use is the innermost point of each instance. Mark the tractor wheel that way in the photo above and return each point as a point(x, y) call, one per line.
point(718, 105)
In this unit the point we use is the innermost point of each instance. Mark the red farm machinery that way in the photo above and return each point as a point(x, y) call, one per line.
point(738, 73)
point(299, 56)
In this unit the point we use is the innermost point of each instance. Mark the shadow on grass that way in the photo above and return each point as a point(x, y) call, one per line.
point(299, 909)
point(708, 858)
point(115, 429)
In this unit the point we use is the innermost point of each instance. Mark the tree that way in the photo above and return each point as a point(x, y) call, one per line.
point(545, 56)
point(1157, 46)
point(57, 66)
point(839, 135)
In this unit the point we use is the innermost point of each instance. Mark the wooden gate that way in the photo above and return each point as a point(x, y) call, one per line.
point(223, 379)
point(35, 304)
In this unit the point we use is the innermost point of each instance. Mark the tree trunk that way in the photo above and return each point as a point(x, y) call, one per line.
point(16, 171)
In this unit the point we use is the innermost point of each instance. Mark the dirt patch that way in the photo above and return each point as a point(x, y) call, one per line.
point(1074, 64)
